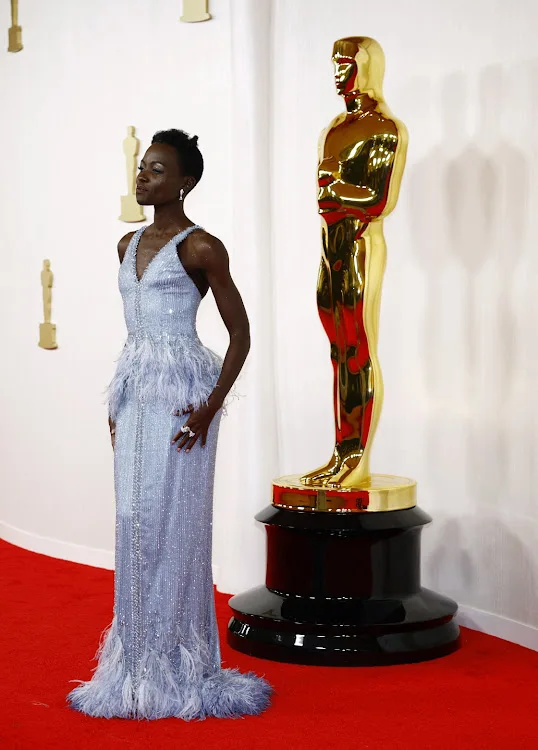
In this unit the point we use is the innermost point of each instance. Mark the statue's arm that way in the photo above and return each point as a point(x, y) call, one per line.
point(353, 196)
point(363, 180)
point(328, 166)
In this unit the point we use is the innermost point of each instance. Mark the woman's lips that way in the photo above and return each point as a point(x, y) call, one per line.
point(141, 189)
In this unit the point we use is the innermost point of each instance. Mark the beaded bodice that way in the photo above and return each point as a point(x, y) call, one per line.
point(165, 301)
point(163, 358)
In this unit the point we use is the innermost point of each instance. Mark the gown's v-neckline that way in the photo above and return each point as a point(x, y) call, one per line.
point(159, 251)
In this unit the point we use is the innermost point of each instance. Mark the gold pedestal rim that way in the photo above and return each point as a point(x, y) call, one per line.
point(380, 493)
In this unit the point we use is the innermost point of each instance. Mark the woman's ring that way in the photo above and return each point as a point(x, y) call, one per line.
point(186, 428)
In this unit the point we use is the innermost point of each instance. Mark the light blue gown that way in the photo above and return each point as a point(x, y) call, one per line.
point(160, 655)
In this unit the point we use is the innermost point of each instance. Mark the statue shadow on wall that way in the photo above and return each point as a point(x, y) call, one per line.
point(469, 214)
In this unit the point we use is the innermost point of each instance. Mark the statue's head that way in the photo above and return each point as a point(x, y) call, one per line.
point(359, 65)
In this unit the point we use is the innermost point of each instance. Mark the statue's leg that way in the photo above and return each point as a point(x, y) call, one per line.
point(355, 384)
point(329, 321)
point(364, 395)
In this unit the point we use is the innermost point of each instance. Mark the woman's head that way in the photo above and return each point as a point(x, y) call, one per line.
point(170, 168)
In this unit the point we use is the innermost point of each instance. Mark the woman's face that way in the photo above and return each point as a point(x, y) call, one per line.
point(160, 176)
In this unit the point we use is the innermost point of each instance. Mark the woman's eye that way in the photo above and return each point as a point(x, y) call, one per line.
point(158, 171)
point(140, 169)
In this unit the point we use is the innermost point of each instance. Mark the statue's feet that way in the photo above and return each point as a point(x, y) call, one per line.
point(322, 476)
point(348, 476)
point(337, 474)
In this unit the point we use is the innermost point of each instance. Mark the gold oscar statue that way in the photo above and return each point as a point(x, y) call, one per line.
point(15, 32)
point(342, 583)
point(195, 11)
point(360, 165)
point(130, 210)
point(47, 330)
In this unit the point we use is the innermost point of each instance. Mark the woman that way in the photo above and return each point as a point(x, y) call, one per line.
point(160, 656)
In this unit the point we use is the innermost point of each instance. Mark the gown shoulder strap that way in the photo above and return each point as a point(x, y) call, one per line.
point(185, 233)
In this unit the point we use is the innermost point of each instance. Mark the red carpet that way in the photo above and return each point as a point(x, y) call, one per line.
point(484, 696)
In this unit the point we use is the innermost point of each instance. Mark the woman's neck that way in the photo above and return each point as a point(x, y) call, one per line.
point(170, 217)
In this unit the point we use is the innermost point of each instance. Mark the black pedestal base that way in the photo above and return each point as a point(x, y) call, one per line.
point(343, 590)
point(260, 627)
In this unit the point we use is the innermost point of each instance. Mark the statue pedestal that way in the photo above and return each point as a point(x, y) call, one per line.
point(47, 336)
point(14, 39)
point(130, 209)
point(378, 492)
point(343, 589)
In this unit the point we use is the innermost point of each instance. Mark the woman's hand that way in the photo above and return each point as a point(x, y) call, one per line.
point(198, 423)
point(112, 427)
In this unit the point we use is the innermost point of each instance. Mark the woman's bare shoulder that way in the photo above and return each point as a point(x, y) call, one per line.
point(206, 250)
point(123, 244)
point(204, 241)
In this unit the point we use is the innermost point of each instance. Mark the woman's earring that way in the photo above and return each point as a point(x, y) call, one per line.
point(181, 194)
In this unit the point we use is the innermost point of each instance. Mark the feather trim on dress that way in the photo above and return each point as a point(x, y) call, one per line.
point(177, 683)
point(176, 371)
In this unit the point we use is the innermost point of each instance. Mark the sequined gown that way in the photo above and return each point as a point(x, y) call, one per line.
point(160, 655)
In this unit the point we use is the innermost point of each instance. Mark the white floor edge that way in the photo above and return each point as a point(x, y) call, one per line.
point(499, 626)
point(469, 617)
point(78, 553)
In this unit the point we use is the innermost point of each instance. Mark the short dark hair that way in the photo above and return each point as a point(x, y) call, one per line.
point(187, 150)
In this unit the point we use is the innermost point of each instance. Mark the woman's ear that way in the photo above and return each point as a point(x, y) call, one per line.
point(190, 182)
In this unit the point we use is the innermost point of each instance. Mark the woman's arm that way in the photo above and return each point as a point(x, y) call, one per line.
point(215, 262)
point(123, 244)
point(122, 247)
point(209, 254)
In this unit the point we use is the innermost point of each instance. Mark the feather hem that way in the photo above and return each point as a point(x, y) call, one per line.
point(183, 688)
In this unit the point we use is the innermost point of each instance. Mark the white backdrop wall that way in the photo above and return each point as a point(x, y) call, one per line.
point(87, 71)
point(460, 292)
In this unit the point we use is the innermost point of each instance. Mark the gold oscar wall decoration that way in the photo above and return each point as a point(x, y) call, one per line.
point(195, 11)
point(15, 31)
point(47, 330)
point(130, 210)
point(342, 583)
